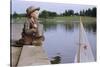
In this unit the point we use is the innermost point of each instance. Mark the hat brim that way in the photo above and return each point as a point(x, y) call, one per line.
point(35, 10)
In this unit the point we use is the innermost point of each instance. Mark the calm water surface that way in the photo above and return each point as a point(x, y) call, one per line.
point(61, 40)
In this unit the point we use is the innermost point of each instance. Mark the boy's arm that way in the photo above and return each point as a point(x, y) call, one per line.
point(27, 28)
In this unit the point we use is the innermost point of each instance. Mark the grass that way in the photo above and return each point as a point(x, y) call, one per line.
point(69, 19)
point(61, 19)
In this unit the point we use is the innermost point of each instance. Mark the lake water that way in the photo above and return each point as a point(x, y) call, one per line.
point(61, 40)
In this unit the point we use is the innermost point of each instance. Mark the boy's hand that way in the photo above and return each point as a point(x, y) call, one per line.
point(34, 30)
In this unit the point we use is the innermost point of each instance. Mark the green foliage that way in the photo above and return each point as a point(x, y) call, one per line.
point(47, 14)
point(89, 12)
point(68, 13)
point(16, 15)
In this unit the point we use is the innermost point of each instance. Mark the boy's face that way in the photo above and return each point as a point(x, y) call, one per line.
point(35, 14)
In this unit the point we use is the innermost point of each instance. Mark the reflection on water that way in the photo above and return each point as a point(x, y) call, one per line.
point(90, 27)
point(49, 26)
point(69, 26)
point(61, 40)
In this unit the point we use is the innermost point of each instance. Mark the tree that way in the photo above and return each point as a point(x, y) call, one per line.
point(88, 12)
point(15, 15)
point(68, 13)
point(94, 10)
point(44, 14)
point(47, 14)
point(77, 14)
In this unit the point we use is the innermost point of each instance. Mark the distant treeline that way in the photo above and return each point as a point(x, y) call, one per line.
point(88, 12)
point(49, 14)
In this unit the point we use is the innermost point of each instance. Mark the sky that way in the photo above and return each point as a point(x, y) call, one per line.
point(21, 6)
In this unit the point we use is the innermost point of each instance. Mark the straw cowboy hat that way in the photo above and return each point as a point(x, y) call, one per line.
point(31, 9)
